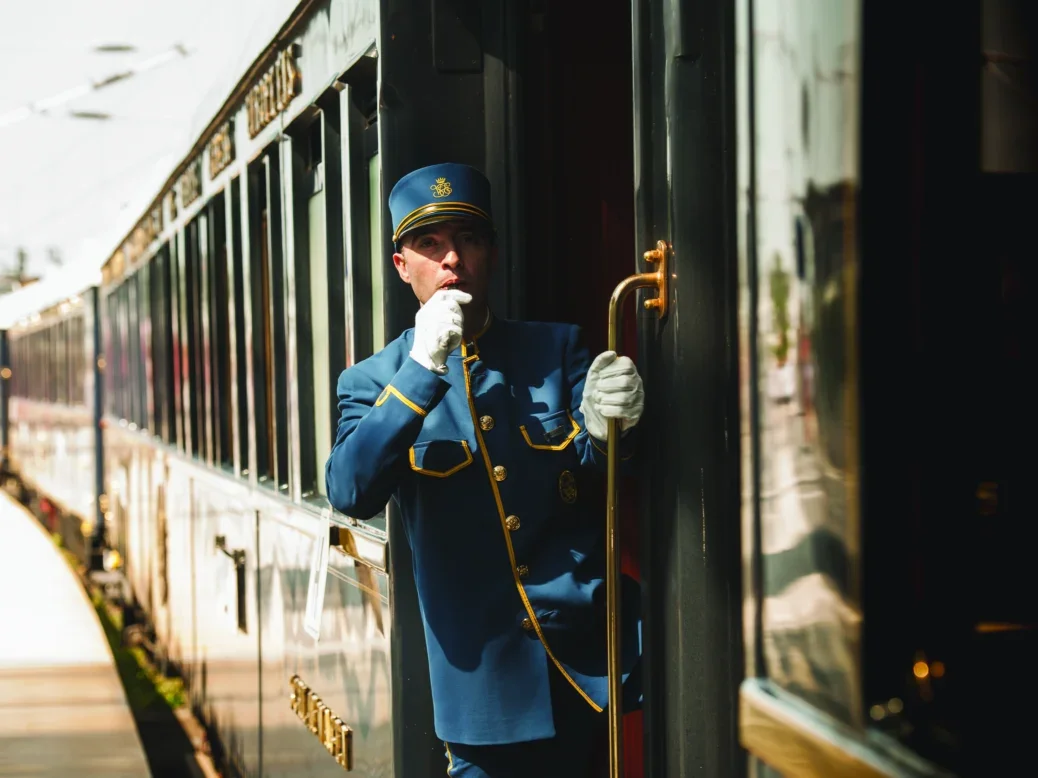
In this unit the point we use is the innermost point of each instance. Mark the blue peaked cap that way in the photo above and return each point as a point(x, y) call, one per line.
point(437, 193)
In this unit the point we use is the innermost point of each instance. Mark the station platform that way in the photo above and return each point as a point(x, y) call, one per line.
point(63, 710)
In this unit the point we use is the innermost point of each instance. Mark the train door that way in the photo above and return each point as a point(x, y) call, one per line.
point(547, 115)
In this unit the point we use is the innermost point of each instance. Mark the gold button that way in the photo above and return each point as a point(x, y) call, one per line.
point(512, 522)
point(500, 474)
point(523, 571)
point(486, 423)
point(527, 624)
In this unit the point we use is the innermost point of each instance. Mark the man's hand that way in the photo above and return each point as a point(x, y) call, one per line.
point(612, 390)
point(437, 329)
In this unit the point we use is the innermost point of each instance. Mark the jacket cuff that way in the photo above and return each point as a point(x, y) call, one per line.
point(417, 387)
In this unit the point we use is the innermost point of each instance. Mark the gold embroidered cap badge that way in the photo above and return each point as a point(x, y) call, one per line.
point(441, 188)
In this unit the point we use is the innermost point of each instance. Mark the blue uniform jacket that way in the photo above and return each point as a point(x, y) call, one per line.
point(493, 471)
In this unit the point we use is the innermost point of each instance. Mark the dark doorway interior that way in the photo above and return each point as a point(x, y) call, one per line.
point(577, 165)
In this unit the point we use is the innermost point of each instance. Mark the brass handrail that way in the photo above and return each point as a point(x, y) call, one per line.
point(657, 280)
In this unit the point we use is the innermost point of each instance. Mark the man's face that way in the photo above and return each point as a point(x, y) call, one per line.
point(456, 254)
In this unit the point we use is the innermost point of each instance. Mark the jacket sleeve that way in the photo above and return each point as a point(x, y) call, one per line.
point(592, 451)
point(377, 425)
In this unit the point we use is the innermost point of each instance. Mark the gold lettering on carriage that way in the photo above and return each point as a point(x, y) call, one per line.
point(221, 149)
point(273, 92)
point(146, 232)
point(190, 183)
point(330, 730)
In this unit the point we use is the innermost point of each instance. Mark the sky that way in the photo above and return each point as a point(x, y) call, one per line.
point(78, 185)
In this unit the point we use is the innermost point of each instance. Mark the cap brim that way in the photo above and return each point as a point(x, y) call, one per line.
point(438, 212)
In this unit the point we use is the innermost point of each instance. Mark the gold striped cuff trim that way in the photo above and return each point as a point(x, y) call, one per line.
point(392, 390)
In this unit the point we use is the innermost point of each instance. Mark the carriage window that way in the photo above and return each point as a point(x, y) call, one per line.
point(46, 384)
point(61, 362)
point(185, 332)
point(39, 391)
point(176, 342)
point(125, 352)
point(115, 361)
point(145, 367)
point(75, 369)
point(133, 330)
point(240, 345)
point(49, 389)
point(362, 207)
point(268, 321)
point(66, 358)
point(375, 254)
point(319, 289)
point(161, 384)
point(194, 235)
point(81, 361)
point(127, 302)
point(191, 331)
point(804, 257)
point(219, 342)
point(108, 333)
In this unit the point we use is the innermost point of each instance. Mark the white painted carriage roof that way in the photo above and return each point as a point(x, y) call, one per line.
point(80, 184)
point(56, 288)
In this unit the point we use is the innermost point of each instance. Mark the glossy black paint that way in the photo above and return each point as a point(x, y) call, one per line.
point(690, 536)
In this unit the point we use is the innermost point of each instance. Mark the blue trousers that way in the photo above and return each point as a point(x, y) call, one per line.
point(578, 750)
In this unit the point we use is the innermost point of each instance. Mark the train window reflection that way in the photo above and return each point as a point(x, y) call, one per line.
point(194, 412)
point(268, 321)
point(240, 344)
point(219, 340)
point(145, 372)
point(375, 256)
point(317, 227)
point(176, 342)
point(319, 288)
point(806, 69)
point(133, 330)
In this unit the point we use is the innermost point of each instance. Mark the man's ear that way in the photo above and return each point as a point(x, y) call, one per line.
point(401, 267)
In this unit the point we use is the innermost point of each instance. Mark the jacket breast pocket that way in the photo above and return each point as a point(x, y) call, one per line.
point(440, 458)
point(550, 431)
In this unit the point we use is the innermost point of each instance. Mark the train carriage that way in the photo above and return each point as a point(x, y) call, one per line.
point(806, 606)
point(49, 404)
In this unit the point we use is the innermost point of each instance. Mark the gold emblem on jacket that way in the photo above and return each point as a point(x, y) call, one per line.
point(568, 487)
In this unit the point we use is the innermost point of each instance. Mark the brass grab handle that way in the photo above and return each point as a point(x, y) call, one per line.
point(659, 257)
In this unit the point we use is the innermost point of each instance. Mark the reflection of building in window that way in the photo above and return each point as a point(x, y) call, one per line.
point(807, 151)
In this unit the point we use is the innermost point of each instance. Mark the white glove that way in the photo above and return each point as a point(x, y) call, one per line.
point(612, 390)
point(437, 329)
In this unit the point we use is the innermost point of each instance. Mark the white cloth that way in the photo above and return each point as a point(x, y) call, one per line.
point(612, 390)
point(437, 329)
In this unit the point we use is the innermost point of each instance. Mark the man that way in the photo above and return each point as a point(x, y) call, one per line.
point(483, 430)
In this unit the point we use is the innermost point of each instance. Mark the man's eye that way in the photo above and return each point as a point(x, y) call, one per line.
point(426, 243)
